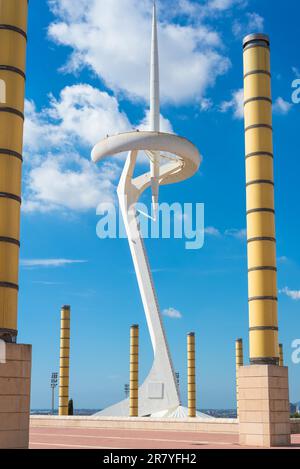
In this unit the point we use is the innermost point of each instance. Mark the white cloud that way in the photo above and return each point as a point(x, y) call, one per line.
point(235, 233)
point(222, 5)
point(165, 124)
point(232, 232)
point(196, 12)
point(189, 54)
point(172, 313)
point(206, 104)
point(282, 107)
point(212, 231)
point(254, 23)
point(283, 259)
point(82, 115)
point(58, 177)
point(69, 182)
point(49, 262)
point(293, 294)
point(296, 71)
point(235, 104)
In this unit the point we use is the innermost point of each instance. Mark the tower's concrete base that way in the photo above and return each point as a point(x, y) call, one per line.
point(15, 372)
point(264, 408)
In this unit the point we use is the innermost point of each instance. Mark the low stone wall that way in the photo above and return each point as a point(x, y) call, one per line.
point(229, 426)
point(214, 425)
point(295, 426)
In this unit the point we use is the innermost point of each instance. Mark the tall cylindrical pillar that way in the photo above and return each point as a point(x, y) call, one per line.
point(239, 361)
point(262, 270)
point(281, 361)
point(13, 39)
point(191, 374)
point(64, 370)
point(134, 372)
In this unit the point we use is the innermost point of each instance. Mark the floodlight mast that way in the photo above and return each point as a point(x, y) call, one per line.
point(154, 113)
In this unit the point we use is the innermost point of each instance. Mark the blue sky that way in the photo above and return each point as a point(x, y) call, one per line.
point(87, 76)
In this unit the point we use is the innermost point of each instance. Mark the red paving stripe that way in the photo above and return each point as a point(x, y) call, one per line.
point(39, 445)
point(105, 437)
point(116, 444)
point(159, 434)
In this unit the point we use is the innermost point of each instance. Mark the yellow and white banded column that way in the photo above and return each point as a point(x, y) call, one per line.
point(13, 41)
point(262, 271)
point(64, 366)
point(191, 374)
point(134, 372)
point(239, 361)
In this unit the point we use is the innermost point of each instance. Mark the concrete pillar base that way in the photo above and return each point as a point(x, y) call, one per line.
point(15, 373)
point(264, 407)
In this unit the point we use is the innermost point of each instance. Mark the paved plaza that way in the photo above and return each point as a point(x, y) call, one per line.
point(85, 438)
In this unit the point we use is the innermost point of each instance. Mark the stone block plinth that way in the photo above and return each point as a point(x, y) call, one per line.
point(15, 373)
point(264, 408)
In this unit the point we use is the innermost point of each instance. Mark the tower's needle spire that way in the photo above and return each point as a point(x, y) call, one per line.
point(154, 111)
point(154, 78)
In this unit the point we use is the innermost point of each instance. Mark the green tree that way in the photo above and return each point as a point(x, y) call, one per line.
point(70, 407)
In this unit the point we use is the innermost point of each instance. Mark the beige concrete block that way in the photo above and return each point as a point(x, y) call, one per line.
point(278, 393)
point(14, 386)
point(264, 406)
point(15, 396)
point(253, 382)
point(254, 416)
point(279, 417)
point(15, 369)
point(280, 428)
point(280, 405)
point(250, 428)
point(263, 370)
point(280, 440)
point(252, 371)
point(278, 382)
point(14, 439)
point(253, 394)
point(14, 404)
point(267, 441)
point(251, 440)
point(18, 352)
point(254, 405)
point(14, 421)
point(280, 371)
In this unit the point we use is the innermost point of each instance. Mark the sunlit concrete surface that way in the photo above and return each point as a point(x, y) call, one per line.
point(88, 438)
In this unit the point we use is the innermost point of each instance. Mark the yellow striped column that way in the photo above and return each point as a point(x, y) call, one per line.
point(262, 270)
point(13, 39)
point(64, 370)
point(134, 372)
point(191, 374)
point(281, 362)
point(239, 361)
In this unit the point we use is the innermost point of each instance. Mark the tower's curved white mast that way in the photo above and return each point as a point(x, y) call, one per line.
point(159, 392)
